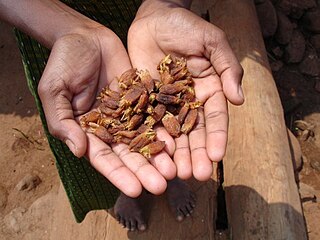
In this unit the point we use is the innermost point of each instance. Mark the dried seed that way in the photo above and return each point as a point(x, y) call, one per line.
point(106, 121)
point(105, 109)
point(172, 88)
point(183, 73)
point(108, 92)
point(166, 78)
point(131, 96)
point(134, 121)
point(143, 128)
point(152, 148)
point(183, 113)
point(122, 139)
point(127, 78)
point(158, 112)
point(142, 102)
point(89, 117)
point(110, 102)
point(114, 128)
point(189, 121)
point(188, 95)
point(167, 99)
point(127, 133)
point(146, 80)
point(102, 133)
point(171, 124)
point(142, 140)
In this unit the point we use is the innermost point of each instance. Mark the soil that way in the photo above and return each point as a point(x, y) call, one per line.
point(25, 155)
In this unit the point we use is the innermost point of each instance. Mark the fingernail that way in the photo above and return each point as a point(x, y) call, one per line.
point(71, 146)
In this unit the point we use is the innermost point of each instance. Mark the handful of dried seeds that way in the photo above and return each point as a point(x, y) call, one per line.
point(128, 116)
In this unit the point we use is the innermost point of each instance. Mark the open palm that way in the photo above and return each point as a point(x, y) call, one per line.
point(158, 31)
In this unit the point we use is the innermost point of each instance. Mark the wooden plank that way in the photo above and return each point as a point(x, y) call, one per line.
point(262, 196)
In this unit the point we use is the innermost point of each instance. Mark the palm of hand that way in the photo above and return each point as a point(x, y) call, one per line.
point(181, 33)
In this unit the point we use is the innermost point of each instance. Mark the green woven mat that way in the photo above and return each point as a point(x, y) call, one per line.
point(86, 188)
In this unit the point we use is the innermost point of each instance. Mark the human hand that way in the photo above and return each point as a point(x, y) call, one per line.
point(79, 66)
point(163, 27)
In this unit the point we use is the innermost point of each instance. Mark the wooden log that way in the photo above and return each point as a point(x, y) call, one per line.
point(262, 196)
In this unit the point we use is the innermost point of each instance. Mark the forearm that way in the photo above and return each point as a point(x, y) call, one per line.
point(45, 20)
point(180, 3)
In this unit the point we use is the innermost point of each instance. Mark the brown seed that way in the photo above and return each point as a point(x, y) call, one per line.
point(167, 99)
point(127, 133)
point(183, 112)
point(158, 112)
point(122, 139)
point(102, 133)
point(108, 92)
point(110, 102)
point(188, 95)
point(106, 121)
point(135, 121)
point(142, 128)
point(131, 96)
point(189, 121)
point(152, 148)
point(89, 117)
point(105, 109)
point(142, 102)
point(142, 140)
point(183, 73)
point(146, 80)
point(172, 88)
point(166, 78)
point(171, 124)
point(127, 78)
point(114, 128)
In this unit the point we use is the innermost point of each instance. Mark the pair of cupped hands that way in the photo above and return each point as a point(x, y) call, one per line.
point(82, 63)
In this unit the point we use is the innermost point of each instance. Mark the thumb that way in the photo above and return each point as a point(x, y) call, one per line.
point(225, 64)
point(56, 102)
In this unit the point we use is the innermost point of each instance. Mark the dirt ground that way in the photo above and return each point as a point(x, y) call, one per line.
point(28, 176)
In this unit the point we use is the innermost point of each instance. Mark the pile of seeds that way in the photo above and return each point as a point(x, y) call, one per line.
point(129, 116)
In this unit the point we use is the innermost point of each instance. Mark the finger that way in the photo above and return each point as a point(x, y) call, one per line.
point(216, 120)
point(59, 114)
point(225, 63)
point(201, 164)
point(164, 164)
point(115, 61)
point(104, 160)
point(182, 157)
point(163, 135)
point(149, 177)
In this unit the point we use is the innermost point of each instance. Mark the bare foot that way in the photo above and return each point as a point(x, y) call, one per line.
point(131, 212)
point(180, 198)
